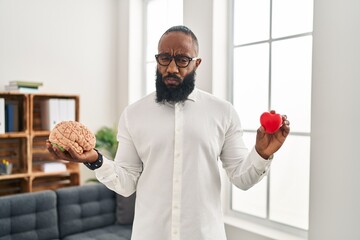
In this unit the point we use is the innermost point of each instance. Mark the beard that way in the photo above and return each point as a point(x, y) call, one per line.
point(174, 94)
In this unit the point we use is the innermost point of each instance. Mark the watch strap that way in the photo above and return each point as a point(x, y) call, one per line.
point(98, 163)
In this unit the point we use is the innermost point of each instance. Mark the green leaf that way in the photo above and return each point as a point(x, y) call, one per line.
point(106, 141)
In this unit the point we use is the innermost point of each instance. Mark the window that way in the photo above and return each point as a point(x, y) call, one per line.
point(272, 53)
point(160, 15)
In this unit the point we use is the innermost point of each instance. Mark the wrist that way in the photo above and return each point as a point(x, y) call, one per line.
point(264, 155)
point(93, 157)
point(92, 165)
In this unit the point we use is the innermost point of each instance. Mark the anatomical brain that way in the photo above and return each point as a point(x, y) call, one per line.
point(72, 134)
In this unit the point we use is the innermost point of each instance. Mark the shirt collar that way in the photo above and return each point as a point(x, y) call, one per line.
point(193, 96)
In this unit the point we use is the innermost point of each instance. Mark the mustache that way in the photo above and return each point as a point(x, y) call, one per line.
point(172, 76)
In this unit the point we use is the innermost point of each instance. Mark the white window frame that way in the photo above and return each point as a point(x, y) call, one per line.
point(247, 222)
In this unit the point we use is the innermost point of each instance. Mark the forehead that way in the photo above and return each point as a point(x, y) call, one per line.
point(177, 43)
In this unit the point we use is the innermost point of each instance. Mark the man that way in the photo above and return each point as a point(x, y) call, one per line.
point(169, 145)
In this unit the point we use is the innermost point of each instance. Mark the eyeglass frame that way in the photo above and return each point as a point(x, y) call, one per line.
point(174, 58)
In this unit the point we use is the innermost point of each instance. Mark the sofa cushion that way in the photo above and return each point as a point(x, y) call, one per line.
point(29, 216)
point(113, 232)
point(125, 209)
point(84, 208)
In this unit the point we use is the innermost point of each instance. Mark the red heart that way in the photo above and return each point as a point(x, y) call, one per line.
point(271, 121)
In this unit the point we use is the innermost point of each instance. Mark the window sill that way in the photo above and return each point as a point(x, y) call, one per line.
point(260, 229)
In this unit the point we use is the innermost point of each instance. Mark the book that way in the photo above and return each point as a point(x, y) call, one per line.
point(11, 116)
point(53, 167)
point(25, 83)
point(55, 110)
point(50, 113)
point(67, 110)
point(20, 89)
point(2, 115)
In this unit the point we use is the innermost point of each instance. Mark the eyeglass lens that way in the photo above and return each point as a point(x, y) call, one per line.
point(180, 61)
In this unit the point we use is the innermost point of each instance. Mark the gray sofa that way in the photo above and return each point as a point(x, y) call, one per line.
point(88, 212)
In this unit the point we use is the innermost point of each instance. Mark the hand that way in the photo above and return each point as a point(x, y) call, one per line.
point(267, 144)
point(71, 155)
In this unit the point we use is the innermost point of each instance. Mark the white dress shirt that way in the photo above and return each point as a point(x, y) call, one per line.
point(168, 154)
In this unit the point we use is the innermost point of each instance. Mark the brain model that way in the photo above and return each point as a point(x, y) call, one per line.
point(72, 134)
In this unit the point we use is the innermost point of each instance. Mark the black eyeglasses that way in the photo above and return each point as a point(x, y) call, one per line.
point(180, 61)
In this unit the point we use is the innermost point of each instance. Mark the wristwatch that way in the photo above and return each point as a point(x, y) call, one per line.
point(95, 165)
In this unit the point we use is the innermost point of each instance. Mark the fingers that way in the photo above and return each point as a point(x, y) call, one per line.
point(69, 155)
point(285, 126)
point(76, 156)
point(261, 130)
point(57, 153)
point(51, 149)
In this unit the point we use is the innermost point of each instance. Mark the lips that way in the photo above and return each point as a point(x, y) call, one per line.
point(172, 81)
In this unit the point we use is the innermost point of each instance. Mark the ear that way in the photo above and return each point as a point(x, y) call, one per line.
point(197, 62)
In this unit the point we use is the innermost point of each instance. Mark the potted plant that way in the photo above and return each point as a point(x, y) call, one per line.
point(106, 142)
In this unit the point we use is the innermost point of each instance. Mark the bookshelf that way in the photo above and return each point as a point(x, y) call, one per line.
point(24, 145)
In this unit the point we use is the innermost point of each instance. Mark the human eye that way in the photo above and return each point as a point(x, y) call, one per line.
point(182, 60)
point(164, 57)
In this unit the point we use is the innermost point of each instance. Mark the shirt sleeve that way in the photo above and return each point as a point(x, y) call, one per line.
point(122, 174)
point(243, 168)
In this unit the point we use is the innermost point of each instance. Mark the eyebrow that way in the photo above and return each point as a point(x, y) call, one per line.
point(177, 55)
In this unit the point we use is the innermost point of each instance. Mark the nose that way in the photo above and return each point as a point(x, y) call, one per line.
point(172, 68)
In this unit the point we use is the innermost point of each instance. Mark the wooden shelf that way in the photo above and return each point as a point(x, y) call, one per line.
point(26, 148)
point(40, 133)
point(47, 174)
point(14, 176)
point(14, 135)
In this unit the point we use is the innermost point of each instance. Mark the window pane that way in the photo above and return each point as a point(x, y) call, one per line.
point(252, 201)
point(289, 182)
point(171, 15)
point(291, 81)
point(291, 17)
point(251, 84)
point(251, 21)
point(156, 24)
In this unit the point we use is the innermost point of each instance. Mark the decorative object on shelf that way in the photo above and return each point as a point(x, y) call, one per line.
point(5, 167)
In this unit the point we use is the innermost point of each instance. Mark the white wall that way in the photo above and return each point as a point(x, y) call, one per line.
point(71, 46)
point(335, 159)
